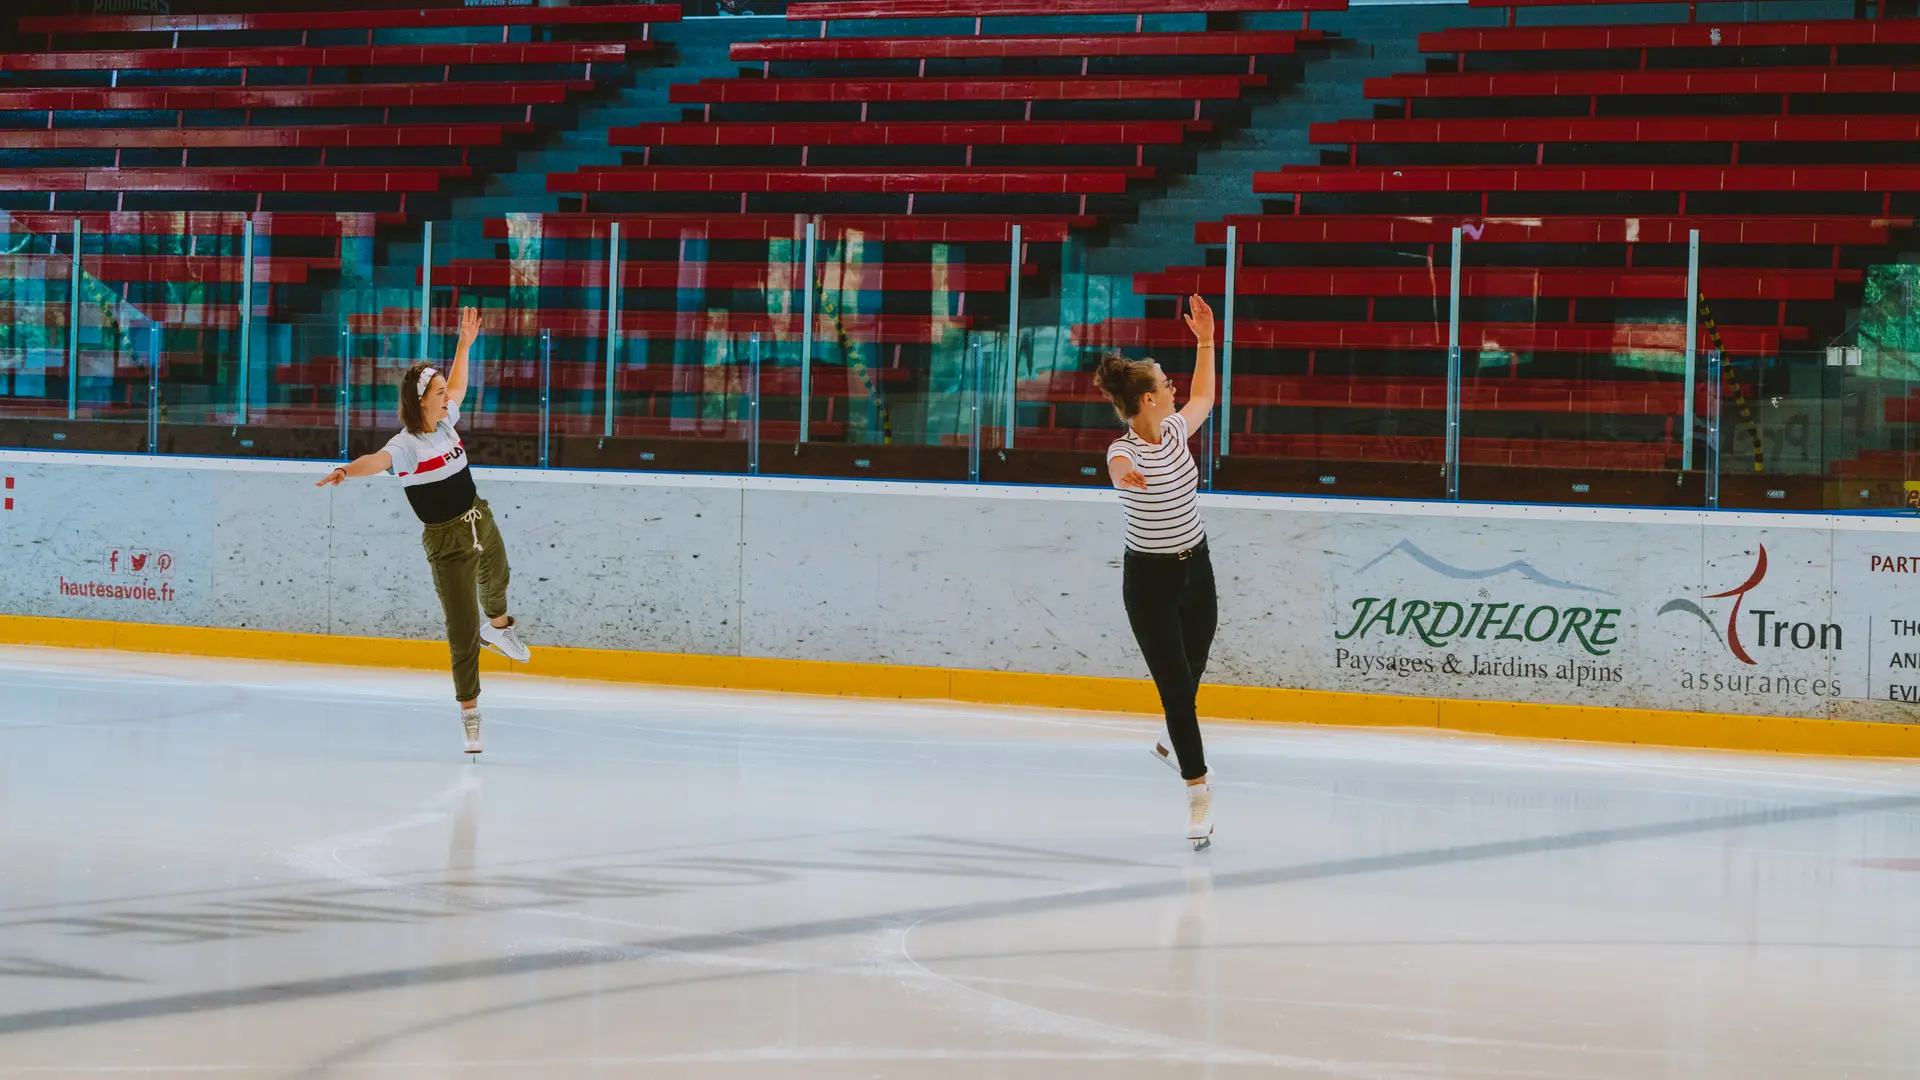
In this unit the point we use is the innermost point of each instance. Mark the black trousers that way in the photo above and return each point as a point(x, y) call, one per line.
point(1173, 609)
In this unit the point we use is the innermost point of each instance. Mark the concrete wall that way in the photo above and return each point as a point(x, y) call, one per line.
point(1547, 604)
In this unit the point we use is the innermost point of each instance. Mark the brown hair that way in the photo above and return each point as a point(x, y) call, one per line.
point(1125, 382)
point(411, 415)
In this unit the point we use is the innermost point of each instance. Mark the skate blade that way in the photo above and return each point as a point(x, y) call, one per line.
point(1203, 843)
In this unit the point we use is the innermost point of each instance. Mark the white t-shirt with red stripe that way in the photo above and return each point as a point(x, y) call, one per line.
point(433, 471)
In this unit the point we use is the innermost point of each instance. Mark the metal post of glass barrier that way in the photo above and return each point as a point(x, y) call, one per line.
point(1013, 342)
point(246, 319)
point(73, 329)
point(1693, 331)
point(613, 321)
point(976, 372)
point(753, 404)
point(1713, 429)
point(1453, 375)
point(153, 388)
point(426, 286)
point(1226, 341)
point(546, 392)
point(806, 332)
point(341, 401)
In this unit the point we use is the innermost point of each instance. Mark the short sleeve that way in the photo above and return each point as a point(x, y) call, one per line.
point(1120, 449)
point(1176, 426)
point(401, 449)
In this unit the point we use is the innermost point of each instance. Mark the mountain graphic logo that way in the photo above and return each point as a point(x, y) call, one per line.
point(1739, 594)
point(1458, 573)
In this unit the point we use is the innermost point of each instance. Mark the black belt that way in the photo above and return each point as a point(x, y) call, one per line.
point(1170, 556)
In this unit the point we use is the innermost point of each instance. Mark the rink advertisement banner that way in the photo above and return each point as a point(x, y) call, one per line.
point(1783, 615)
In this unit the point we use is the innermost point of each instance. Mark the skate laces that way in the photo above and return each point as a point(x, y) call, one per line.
point(472, 518)
point(471, 721)
point(1199, 803)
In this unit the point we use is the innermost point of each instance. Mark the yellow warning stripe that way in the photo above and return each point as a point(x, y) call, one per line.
point(1584, 723)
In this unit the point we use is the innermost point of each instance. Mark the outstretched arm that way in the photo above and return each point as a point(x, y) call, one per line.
point(457, 378)
point(1124, 474)
point(365, 465)
point(1199, 404)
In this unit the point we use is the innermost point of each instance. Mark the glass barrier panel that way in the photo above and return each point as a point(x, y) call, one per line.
point(117, 354)
point(1075, 313)
point(1795, 436)
point(1574, 364)
point(190, 271)
point(1871, 389)
point(886, 377)
point(685, 297)
point(1338, 375)
point(38, 391)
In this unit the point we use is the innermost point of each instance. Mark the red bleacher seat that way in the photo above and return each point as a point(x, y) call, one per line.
point(908, 133)
point(302, 137)
point(215, 59)
point(702, 325)
point(1551, 453)
point(374, 19)
point(1217, 43)
point(978, 9)
point(1009, 88)
point(930, 228)
point(172, 223)
point(1550, 281)
point(1412, 178)
point(171, 268)
point(1527, 337)
point(1664, 83)
point(347, 96)
point(1640, 398)
point(1650, 229)
point(637, 274)
point(332, 178)
point(1029, 180)
point(1733, 129)
point(1723, 35)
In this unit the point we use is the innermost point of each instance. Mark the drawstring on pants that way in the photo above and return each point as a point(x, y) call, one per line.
point(472, 518)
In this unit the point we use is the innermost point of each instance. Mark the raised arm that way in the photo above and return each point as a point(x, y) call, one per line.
point(1199, 404)
point(365, 465)
point(457, 378)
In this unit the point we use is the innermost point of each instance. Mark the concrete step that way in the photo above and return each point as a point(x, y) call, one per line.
point(566, 159)
point(489, 206)
point(517, 183)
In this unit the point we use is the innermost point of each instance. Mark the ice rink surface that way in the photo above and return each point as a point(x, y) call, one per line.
point(234, 869)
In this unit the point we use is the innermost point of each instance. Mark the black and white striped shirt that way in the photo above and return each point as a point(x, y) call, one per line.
point(1166, 516)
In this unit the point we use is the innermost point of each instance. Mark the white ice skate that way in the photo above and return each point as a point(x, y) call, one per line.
point(506, 640)
point(1200, 814)
point(470, 719)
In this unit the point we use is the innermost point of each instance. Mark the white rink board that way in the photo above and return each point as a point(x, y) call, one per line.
point(1543, 604)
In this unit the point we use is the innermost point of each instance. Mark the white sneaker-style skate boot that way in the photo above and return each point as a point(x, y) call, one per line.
point(470, 720)
point(1200, 814)
point(506, 640)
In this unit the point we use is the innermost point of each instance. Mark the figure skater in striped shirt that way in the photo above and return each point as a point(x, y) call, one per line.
point(1168, 579)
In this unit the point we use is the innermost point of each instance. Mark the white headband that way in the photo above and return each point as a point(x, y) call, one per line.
point(426, 380)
